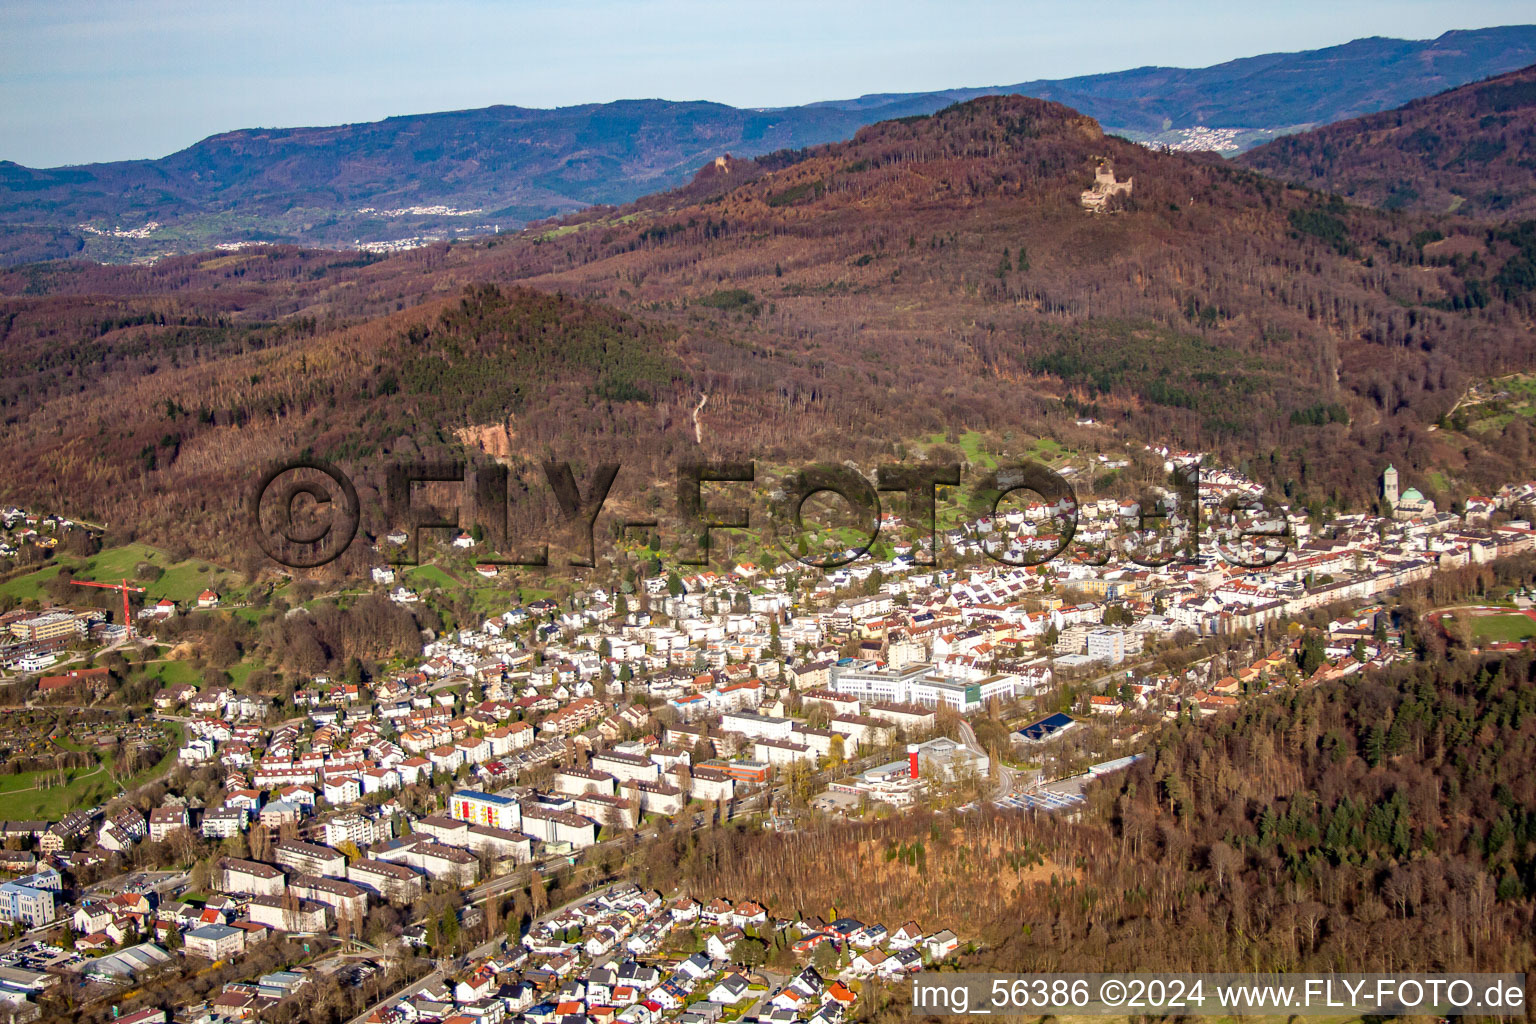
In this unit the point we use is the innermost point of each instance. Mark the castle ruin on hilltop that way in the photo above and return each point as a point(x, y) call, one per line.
point(1096, 197)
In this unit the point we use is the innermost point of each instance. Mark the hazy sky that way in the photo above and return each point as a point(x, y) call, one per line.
point(84, 81)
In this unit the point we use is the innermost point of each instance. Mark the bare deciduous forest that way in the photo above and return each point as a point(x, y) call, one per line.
point(932, 274)
point(1468, 149)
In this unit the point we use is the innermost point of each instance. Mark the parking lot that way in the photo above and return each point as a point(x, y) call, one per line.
point(141, 882)
point(37, 956)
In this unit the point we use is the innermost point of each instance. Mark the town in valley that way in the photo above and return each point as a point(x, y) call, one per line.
point(205, 845)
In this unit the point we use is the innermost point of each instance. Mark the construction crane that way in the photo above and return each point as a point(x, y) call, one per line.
point(125, 588)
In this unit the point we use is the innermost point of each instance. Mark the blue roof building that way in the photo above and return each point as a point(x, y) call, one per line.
point(1047, 728)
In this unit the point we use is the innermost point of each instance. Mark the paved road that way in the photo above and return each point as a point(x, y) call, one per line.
point(775, 981)
point(485, 949)
point(404, 993)
point(1006, 776)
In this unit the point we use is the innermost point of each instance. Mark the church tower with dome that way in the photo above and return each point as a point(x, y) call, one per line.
point(1409, 504)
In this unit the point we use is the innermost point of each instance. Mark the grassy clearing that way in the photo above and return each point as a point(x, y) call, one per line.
point(33, 795)
point(179, 581)
point(184, 581)
point(975, 454)
point(1048, 450)
point(1515, 396)
point(173, 673)
point(431, 576)
point(113, 564)
point(25, 796)
point(489, 601)
point(979, 449)
point(166, 762)
point(30, 586)
point(1507, 628)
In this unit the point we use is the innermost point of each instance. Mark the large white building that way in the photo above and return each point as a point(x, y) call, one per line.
point(781, 752)
point(901, 782)
point(357, 830)
point(311, 858)
point(214, 941)
point(390, 881)
point(873, 683)
point(27, 901)
point(252, 878)
point(758, 727)
point(626, 767)
point(553, 826)
point(1107, 645)
point(486, 809)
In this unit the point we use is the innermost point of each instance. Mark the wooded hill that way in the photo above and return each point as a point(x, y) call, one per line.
point(1470, 151)
point(932, 273)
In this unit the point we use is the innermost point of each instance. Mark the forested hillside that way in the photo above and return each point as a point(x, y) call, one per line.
point(1470, 151)
point(932, 274)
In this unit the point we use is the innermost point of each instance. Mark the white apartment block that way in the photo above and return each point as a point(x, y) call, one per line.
point(358, 830)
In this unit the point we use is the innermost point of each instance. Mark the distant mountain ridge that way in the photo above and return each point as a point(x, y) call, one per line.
point(1275, 89)
point(1469, 150)
point(453, 174)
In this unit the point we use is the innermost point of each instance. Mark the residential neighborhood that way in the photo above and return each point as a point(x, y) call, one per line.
point(554, 733)
point(625, 954)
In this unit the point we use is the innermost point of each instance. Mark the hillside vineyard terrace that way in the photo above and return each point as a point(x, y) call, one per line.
point(1249, 534)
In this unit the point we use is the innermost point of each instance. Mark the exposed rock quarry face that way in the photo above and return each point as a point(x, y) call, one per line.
point(494, 439)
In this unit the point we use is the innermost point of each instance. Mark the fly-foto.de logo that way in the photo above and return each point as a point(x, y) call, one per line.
point(305, 513)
